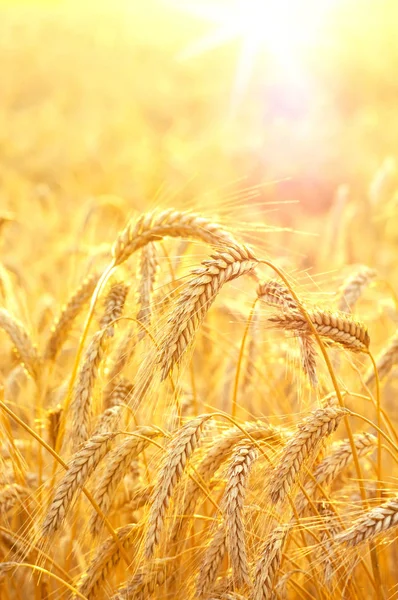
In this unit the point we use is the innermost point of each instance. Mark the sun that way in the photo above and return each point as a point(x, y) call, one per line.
point(282, 29)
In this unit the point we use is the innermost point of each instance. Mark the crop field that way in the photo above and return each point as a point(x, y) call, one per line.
point(199, 300)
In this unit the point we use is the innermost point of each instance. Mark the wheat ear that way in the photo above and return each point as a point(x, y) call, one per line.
point(81, 466)
point(385, 361)
point(379, 519)
point(156, 225)
point(352, 289)
point(118, 462)
point(213, 558)
point(218, 453)
point(177, 455)
point(193, 304)
point(12, 496)
point(81, 401)
point(234, 495)
point(301, 447)
point(337, 328)
point(148, 270)
point(24, 347)
point(71, 310)
point(113, 305)
point(106, 559)
point(268, 565)
point(333, 464)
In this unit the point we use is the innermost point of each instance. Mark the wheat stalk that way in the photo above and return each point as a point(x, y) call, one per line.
point(301, 447)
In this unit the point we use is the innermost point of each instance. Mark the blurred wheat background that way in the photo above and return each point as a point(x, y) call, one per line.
point(154, 444)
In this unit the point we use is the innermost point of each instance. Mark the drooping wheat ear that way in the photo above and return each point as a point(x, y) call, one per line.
point(235, 492)
point(333, 464)
point(178, 453)
point(70, 311)
point(212, 560)
point(113, 305)
point(353, 287)
point(269, 563)
point(220, 450)
point(24, 347)
point(81, 466)
point(275, 293)
point(301, 447)
point(336, 328)
point(81, 401)
point(156, 225)
point(379, 519)
point(148, 269)
point(117, 465)
point(226, 596)
point(53, 422)
point(109, 420)
point(119, 392)
point(385, 361)
point(12, 496)
point(193, 304)
point(106, 559)
point(308, 358)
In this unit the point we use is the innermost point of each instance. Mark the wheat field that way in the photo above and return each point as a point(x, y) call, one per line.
point(198, 317)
